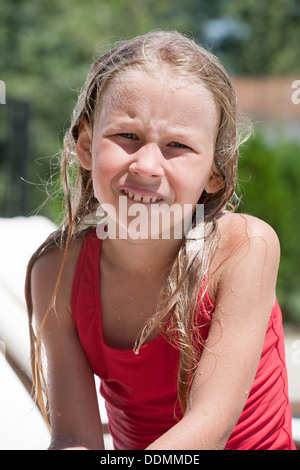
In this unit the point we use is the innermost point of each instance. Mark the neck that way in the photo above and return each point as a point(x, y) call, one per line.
point(142, 258)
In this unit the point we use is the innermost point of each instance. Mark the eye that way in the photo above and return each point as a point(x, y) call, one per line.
point(179, 145)
point(128, 135)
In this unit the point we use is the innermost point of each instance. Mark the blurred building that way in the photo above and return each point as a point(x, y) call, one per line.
point(272, 102)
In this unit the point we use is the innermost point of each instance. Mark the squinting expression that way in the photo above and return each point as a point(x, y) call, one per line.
point(154, 141)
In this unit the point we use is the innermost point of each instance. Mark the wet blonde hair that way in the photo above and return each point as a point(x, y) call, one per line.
point(181, 289)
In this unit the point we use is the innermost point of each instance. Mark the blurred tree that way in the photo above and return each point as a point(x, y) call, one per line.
point(48, 46)
point(269, 176)
point(270, 36)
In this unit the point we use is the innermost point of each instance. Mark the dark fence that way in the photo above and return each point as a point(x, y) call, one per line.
point(14, 158)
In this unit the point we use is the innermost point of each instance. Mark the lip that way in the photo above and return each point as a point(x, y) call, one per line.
point(141, 194)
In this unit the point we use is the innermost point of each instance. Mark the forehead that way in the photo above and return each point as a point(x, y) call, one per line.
point(177, 98)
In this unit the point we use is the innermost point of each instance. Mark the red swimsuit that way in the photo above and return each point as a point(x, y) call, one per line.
point(140, 391)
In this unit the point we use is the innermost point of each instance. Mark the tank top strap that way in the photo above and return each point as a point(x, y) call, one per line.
point(87, 268)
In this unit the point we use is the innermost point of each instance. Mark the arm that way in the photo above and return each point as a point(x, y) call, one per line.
point(74, 414)
point(245, 296)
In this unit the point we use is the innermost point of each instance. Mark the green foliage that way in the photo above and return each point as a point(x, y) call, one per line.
point(272, 37)
point(269, 176)
point(47, 47)
point(46, 50)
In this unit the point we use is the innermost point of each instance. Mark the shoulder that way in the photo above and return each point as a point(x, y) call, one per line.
point(50, 261)
point(235, 229)
point(53, 271)
point(247, 241)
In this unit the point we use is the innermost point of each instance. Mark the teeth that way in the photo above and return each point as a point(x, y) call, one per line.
point(139, 198)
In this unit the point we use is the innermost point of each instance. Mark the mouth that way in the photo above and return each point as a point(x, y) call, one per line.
point(143, 198)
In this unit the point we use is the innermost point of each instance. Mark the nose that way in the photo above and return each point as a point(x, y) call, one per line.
point(147, 161)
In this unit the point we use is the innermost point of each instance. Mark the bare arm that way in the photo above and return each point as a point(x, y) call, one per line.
point(74, 414)
point(246, 293)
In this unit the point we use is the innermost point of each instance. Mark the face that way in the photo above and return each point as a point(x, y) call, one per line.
point(152, 142)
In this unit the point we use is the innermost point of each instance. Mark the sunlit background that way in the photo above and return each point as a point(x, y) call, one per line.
point(46, 50)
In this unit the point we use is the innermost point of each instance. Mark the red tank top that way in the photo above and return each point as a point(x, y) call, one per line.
point(140, 391)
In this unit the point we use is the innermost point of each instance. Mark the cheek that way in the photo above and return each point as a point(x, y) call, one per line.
point(108, 157)
point(103, 161)
point(100, 171)
point(108, 165)
point(192, 181)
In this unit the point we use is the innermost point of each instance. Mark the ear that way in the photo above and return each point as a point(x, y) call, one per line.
point(214, 183)
point(84, 146)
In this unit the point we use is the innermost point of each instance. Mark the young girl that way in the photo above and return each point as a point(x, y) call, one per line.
point(187, 342)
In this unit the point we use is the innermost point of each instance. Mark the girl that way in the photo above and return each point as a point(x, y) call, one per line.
point(188, 343)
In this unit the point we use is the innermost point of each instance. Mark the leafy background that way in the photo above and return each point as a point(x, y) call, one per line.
point(47, 48)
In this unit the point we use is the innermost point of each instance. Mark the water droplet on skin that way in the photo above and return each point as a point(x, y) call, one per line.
point(116, 312)
point(142, 313)
point(132, 298)
point(232, 289)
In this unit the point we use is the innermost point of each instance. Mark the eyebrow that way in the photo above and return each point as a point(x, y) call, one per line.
point(180, 132)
